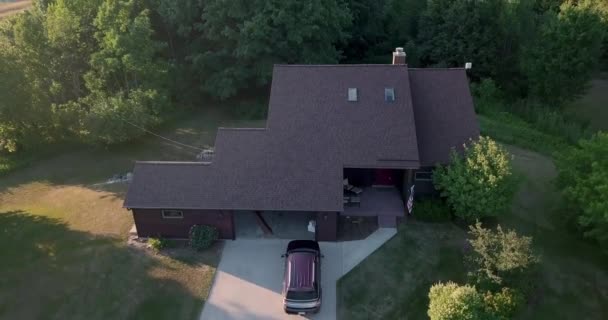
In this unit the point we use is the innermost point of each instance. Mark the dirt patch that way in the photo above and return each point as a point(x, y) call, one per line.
point(14, 7)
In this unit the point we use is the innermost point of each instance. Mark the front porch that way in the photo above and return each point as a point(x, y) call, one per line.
point(385, 203)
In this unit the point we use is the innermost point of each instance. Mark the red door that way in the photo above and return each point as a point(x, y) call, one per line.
point(384, 177)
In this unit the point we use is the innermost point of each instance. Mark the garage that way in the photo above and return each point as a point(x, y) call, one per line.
point(176, 223)
point(285, 225)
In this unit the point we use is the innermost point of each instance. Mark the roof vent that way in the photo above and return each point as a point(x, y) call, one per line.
point(352, 94)
point(389, 94)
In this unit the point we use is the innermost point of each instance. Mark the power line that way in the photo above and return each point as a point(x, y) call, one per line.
point(159, 136)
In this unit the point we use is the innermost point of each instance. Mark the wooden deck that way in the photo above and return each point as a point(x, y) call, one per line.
point(377, 202)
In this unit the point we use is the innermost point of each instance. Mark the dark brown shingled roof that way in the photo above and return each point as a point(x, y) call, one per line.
point(313, 132)
point(445, 117)
point(309, 107)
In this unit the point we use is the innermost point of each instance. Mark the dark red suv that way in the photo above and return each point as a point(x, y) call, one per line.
point(302, 279)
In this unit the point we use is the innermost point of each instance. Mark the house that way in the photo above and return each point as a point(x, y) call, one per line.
point(379, 128)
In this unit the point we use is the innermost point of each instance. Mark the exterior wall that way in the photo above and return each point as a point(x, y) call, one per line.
point(327, 226)
point(424, 187)
point(150, 223)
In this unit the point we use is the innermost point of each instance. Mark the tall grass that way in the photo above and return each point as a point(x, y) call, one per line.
point(524, 122)
point(552, 121)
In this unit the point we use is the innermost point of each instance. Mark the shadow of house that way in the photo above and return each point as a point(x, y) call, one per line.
point(51, 272)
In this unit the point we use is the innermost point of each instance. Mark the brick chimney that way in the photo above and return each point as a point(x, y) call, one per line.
point(399, 56)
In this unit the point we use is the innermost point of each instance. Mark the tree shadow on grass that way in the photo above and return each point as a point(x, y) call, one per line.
point(51, 272)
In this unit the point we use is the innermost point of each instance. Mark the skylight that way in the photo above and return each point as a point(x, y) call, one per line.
point(352, 94)
point(389, 94)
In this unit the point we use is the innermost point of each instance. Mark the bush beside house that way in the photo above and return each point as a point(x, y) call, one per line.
point(431, 210)
point(478, 183)
point(202, 236)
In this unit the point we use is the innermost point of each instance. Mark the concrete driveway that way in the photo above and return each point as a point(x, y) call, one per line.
point(248, 281)
point(249, 278)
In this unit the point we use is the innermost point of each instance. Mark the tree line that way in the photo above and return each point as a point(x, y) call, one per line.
point(96, 70)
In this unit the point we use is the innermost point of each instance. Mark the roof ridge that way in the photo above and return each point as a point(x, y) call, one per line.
point(438, 69)
point(241, 129)
point(176, 163)
point(341, 65)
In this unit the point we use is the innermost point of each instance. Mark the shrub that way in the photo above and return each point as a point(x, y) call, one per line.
point(157, 243)
point(583, 179)
point(503, 304)
point(500, 258)
point(431, 210)
point(478, 183)
point(453, 302)
point(450, 301)
point(487, 96)
point(202, 237)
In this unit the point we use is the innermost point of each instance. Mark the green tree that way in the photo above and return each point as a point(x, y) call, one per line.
point(246, 37)
point(450, 34)
point(25, 90)
point(15, 100)
point(564, 56)
point(583, 179)
point(453, 302)
point(367, 31)
point(449, 301)
point(477, 184)
point(500, 258)
point(127, 80)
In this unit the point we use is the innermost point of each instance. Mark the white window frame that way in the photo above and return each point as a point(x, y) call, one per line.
point(181, 216)
point(353, 95)
point(386, 94)
point(430, 173)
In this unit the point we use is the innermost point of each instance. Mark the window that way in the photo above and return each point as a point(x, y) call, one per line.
point(352, 94)
point(172, 214)
point(389, 94)
point(423, 176)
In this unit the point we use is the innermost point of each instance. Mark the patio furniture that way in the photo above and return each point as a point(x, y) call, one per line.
point(355, 200)
point(356, 190)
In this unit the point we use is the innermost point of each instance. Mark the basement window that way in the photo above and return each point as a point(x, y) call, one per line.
point(389, 94)
point(173, 214)
point(352, 94)
point(423, 176)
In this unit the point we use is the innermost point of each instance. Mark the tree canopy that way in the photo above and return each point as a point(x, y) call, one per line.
point(76, 70)
point(583, 179)
point(477, 183)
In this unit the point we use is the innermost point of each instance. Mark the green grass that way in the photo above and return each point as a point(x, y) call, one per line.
point(63, 245)
point(393, 283)
point(508, 128)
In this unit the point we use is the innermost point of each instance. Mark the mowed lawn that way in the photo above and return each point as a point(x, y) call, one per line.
point(393, 282)
point(63, 252)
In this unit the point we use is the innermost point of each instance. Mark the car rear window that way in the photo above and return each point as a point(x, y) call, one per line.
point(301, 295)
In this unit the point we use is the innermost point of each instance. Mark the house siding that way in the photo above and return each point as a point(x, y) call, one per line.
point(150, 223)
point(425, 187)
